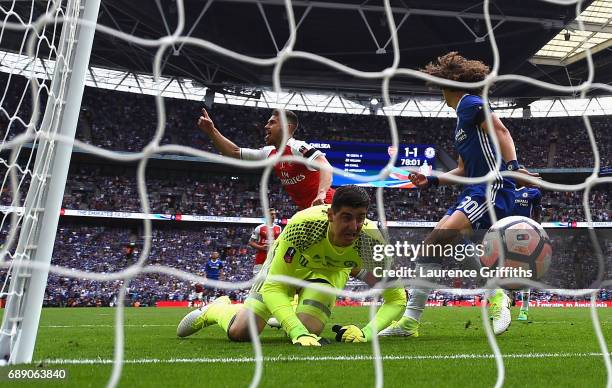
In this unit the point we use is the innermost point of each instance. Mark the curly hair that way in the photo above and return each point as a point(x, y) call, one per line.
point(455, 67)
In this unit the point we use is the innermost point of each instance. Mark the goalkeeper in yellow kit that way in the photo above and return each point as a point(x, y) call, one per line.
point(321, 245)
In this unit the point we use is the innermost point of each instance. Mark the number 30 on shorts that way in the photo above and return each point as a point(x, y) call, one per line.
point(468, 205)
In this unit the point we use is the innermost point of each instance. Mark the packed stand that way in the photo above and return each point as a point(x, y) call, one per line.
point(533, 137)
point(96, 187)
point(128, 121)
point(109, 249)
point(114, 188)
point(112, 249)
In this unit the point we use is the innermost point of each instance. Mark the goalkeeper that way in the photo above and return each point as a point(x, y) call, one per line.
point(321, 245)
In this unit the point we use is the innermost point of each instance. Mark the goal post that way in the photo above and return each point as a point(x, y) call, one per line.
point(44, 198)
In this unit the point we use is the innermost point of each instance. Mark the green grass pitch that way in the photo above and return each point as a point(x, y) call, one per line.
point(557, 349)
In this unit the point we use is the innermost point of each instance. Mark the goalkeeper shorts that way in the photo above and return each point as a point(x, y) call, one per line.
point(313, 302)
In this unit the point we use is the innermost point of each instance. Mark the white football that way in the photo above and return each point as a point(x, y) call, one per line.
point(524, 242)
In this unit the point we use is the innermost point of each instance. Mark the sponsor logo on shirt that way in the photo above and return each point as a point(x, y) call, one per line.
point(460, 135)
point(521, 202)
point(292, 181)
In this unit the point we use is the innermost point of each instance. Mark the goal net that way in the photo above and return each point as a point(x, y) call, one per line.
point(38, 119)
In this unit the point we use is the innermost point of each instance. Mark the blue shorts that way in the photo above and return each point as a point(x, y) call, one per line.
point(472, 203)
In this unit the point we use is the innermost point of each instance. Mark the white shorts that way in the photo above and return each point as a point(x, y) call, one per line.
point(257, 268)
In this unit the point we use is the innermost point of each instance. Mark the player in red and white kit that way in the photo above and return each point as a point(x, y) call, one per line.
point(307, 186)
point(259, 241)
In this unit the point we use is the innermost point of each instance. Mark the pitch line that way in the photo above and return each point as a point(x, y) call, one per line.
point(230, 360)
point(172, 325)
point(101, 325)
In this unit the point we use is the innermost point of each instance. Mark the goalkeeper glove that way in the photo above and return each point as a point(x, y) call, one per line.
point(350, 333)
point(309, 340)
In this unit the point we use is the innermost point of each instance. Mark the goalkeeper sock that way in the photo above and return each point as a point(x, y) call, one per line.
point(222, 314)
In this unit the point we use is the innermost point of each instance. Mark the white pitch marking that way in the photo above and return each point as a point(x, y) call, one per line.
point(153, 325)
point(126, 325)
point(436, 357)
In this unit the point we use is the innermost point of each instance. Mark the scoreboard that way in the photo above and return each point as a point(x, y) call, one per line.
point(369, 158)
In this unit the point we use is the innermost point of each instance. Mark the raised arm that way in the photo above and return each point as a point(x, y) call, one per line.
point(221, 143)
point(325, 180)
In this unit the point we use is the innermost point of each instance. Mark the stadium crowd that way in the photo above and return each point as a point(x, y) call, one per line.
point(107, 249)
point(127, 122)
point(96, 187)
point(540, 142)
point(111, 249)
point(114, 188)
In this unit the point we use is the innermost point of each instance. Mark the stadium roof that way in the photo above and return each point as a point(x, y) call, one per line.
point(417, 106)
point(569, 45)
point(351, 32)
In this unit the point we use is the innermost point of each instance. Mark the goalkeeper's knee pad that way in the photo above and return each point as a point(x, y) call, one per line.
point(316, 303)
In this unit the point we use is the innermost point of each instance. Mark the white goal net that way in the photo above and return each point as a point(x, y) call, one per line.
point(38, 120)
point(35, 134)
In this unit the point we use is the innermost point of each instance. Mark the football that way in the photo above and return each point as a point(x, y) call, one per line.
point(524, 242)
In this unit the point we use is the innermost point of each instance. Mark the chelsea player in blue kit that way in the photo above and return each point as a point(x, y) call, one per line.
point(527, 203)
point(477, 157)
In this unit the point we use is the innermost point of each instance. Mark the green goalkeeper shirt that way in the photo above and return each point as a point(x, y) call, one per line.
point(303, 248)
